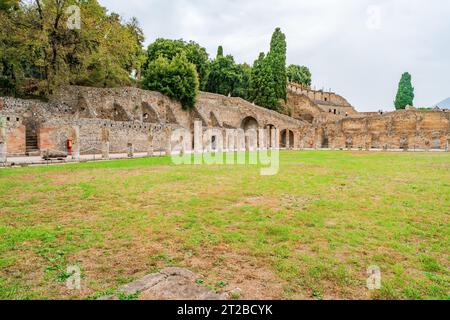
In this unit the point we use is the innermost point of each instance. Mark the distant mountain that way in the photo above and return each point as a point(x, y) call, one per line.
point(443, 104)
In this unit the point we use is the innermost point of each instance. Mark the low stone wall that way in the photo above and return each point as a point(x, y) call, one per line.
point(406, 130)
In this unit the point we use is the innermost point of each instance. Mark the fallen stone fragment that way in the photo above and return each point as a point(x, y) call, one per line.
point(169, 284)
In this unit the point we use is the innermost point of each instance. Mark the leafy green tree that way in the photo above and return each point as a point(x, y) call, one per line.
point(262, 84)
point(39, 52)
point(277, 61)
point(168, 48)
point(176, 78)
point(228, 78)
point(405, 93)
point(242, 84)
point(299, 74)
point(219, 51)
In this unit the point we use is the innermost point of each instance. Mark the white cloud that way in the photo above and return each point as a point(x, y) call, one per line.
point(331, 37)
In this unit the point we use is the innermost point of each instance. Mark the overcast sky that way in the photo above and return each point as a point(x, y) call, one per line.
point(358, 48)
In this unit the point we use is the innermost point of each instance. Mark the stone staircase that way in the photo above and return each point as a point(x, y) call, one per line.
point(31, 143)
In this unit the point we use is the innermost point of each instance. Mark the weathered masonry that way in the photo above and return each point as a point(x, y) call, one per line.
point(129, 120)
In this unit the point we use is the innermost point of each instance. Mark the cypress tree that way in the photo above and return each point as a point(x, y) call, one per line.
point(277, 60)
point(220, 51)
point(405, 93)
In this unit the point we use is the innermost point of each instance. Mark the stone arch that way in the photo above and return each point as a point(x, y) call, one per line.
point(149, 114)
point(287, 139)
point(249, 123)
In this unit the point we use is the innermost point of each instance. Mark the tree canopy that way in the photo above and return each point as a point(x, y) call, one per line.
point(40, 51)
point(176, 78)
point(269, 78)
point(168, 48)
point(405, 93)
point(299, 74)
point(228, 78)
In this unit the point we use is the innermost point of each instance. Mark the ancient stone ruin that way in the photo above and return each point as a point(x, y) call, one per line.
point(81, 120)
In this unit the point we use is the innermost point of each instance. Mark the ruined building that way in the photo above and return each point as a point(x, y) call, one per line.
point(94, 120)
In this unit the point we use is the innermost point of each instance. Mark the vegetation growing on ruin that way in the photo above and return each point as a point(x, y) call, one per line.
point(405, 93)
point(311, 231)
point(228, 78)
point(299, 74)
point(176, 78)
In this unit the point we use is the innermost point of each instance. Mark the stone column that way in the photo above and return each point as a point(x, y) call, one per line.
point(198, 137)
point(240, 140)
point(288, 140)
point(76, 143)
point(275, 137)
point(130, 150)
point(105, 143)
point(105, 150)
point(168, 143)
point(150, 150)
point(3, 138)
point(262, 133)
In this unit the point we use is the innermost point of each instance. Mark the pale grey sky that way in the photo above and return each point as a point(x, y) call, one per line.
point(358, 48)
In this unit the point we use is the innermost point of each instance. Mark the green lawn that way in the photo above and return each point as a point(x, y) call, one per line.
point(309, 232)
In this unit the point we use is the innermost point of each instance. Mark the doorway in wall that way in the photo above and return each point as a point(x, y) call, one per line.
point(31, 139)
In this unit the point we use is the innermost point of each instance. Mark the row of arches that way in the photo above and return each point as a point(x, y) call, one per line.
point(286, 136)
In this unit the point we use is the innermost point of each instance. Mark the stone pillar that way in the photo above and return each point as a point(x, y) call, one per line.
point(3, 138)
point(262, 133)
point(130, 150)
point(288, 140)
point(240, 140)
point(198, 137)
point(105, 143)
point(150, 150)
point(169, 143)
point(105, 150)
point(252, 140)
point(76, 143)
point(275, 137)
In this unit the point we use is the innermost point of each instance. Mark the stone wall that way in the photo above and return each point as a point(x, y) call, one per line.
point(124, 117)
point(99, 121)
point(408, 130)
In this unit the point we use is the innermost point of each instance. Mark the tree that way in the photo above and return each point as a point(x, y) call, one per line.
point(219, 52)
point(40, 52)
point(242, 84)
point(277, 61)
point(405, 93)
point(168, 48)
point(299, 74)
point(262, 84)
point(228, 78)
point(176, 78)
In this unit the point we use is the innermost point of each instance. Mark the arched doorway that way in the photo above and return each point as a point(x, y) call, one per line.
point(249, 123)
point(250, 126)
point(287, 139)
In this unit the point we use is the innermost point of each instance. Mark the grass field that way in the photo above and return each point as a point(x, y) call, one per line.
point(309, 232)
